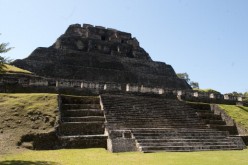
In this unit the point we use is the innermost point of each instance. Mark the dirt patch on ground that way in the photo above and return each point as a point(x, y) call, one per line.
point(22, 114)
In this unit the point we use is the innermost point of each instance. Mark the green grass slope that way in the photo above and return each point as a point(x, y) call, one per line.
point(238, 113)
point(103, 157)
point(207, 91)
point(12, 69)
point(22, 114)
point(43, 102)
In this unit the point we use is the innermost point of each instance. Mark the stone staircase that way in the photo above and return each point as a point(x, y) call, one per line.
point(160, 124)
point(81, 122)
point(211, 119)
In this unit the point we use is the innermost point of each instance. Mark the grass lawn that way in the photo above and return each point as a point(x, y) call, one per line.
point(22, 114)
point(238, 113)
point(44, 102)
point(12, 69)
point(103, 157)
point(17, 106)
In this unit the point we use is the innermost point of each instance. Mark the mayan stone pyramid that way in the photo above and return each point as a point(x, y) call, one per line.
point(99, 54)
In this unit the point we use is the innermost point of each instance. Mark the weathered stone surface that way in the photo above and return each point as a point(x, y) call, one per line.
point(102, 55)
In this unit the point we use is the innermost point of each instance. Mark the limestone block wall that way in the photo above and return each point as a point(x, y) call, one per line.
point(102, 40)
point(32, 83)
point(121, 141)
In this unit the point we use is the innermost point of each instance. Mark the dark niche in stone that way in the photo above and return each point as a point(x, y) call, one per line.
point(94, 53)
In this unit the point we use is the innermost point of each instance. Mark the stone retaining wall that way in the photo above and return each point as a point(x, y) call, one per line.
point(31, 83)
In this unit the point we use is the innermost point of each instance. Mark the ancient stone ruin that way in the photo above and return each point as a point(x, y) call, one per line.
point(100, 55)
point(135, 104)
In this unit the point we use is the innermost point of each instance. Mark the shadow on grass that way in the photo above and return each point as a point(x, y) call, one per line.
point(241, 107)
point(21, 162)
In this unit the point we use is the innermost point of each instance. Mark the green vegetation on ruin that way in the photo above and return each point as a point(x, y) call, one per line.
point(207, 91)
point(103, 157)
point(238, 113)
point(22, 114)
point(12, 69)
point(46, 103)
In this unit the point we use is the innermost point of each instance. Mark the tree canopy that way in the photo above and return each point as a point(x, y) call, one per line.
point(185, 76)
point(3, 49)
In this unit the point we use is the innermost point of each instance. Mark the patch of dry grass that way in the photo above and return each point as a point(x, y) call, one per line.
point(12, 69)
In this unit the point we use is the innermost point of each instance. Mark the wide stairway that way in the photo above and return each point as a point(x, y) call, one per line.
point(160, 124)
point(81, 122)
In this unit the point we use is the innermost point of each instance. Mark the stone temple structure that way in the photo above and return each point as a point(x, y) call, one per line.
point(131, 119)
point(100, 55)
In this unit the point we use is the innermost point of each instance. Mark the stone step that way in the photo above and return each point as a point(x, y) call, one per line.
point(83, 141)
point(152, 117)
point(175, 140)
point(186, 144)
point(81, 128)
point(188, 148)
point(145, 115)
point(224, 133)
point(144, 102)
point(123, 127)
point(154, 109)
point(153, 124)
point(126, 126)
point(200, 106)
point(137, 117)
point(137, 130)
point(209, 116)
point(138, 105)
point(82, 112)
point(135, 108)
point(202, 110)
point(150, 114)
point(174, 119)
point(215, 122)
point(157, 124)
point(231, 129)
point(138, 137)
point(80, 99)
point(83, 119)
point(80, 106)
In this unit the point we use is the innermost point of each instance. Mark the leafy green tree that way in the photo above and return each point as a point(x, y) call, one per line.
point(194, 85)
point(234, 93)
point(184, 76)
point(2, 66)
point(3, 49)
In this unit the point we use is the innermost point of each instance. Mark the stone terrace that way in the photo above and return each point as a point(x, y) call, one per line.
point(152, 124)
point(81, 122)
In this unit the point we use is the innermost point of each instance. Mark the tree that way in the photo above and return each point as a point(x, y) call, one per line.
point(184, 76)
point(194, 85)
point(3, 47)
point(2, 66)
point(3, 60)
point(234, 93)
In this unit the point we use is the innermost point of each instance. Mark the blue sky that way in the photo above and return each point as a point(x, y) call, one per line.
point(208, 39)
